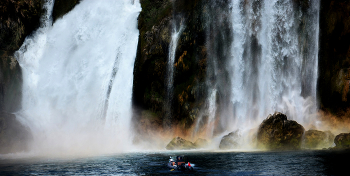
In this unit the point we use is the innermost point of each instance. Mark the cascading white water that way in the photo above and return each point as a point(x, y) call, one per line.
point(170, 69)
point(77, 78)
point(269, 62)
point(211, 112)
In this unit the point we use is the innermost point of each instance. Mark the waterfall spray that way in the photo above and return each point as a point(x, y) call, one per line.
point(77, 78)
point(268, 62)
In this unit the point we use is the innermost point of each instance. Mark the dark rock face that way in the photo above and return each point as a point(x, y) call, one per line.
point(14, 137)
point(10, 84)
point(62, 7)
point(278, 133)
point(230, 141)
point(342, 140)
point(149, 91)
point(17, 20)
point(180, 144)
point(334, 55)
point(318, 139)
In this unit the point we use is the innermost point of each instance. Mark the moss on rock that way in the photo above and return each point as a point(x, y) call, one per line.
point(278, 133)
point(180, 144)
point(342, 141)
point(318, 139)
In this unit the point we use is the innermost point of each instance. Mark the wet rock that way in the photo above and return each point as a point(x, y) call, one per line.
point(14, 137)
point(180, 144)
point(61, 7)
point(230, 141)
point(201, 143)
point(318, 139)
point(278, 133)
point(156, 25)
point(342, 141)
point(334, 56)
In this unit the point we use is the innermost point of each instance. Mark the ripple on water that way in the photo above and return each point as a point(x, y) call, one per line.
point(206, 163)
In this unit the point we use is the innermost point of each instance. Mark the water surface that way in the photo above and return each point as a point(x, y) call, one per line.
point(206, 163)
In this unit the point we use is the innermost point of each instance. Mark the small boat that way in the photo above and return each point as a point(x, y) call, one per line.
point(179, 164)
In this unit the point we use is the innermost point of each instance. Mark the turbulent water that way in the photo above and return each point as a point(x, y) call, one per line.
point(205, 163)
point(78, 75)
point(262, 58)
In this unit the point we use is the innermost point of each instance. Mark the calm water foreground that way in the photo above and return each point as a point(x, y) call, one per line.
point(206, 163)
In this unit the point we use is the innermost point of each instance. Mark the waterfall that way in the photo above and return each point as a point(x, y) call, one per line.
point(78, 75)
point(270, 61)
point(176, 32)
point(272, 67)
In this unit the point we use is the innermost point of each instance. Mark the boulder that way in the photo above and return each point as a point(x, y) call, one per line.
point(230, 141)
point(201, 143)
point(342, 140)
point(180, 144)
point(318, 139)
point(278, 133)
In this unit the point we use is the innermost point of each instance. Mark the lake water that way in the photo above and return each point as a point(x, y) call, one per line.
point(321, 162)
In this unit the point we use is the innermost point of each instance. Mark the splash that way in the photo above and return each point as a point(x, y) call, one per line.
point(77, 78)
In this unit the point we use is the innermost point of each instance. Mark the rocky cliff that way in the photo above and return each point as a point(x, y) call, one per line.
point(149, 92)
point(19, 19)
point(334, 56)
point(205, 40)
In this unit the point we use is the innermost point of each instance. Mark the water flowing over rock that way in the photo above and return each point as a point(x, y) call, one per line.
point(180, 144)
point(78, 74)
point(318, 139)
point(278, 133)
point(342, 141)
point(230, 141)
point(262, 57)
point(236, 61)
point(170, 72)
